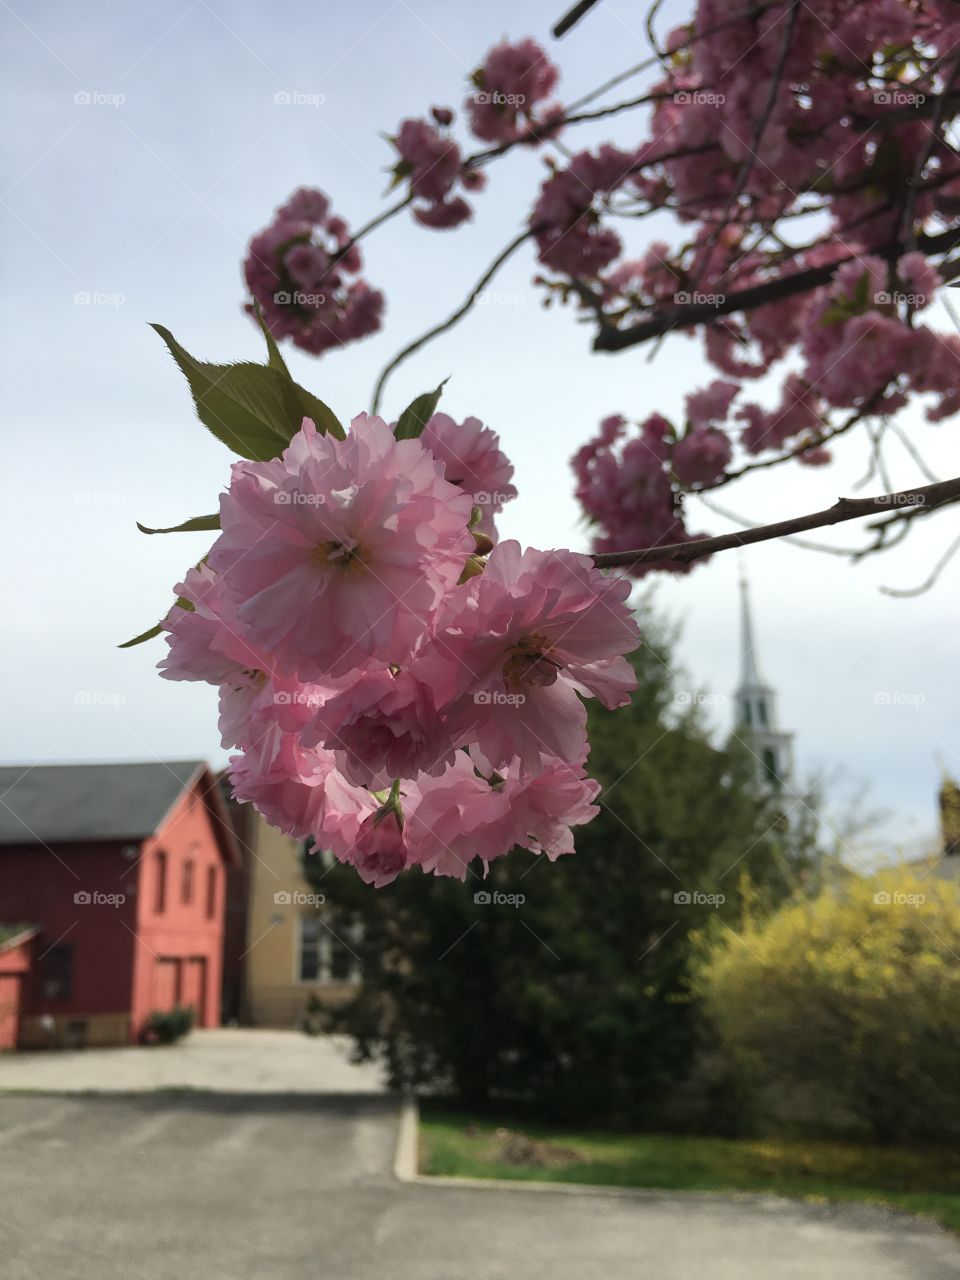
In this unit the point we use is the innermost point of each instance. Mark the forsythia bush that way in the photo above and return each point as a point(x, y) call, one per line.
point(846, 1009)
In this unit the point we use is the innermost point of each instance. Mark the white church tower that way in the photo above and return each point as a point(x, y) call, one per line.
point(756, 708)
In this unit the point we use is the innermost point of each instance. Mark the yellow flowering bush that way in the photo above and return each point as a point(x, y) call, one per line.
point(844, 1010)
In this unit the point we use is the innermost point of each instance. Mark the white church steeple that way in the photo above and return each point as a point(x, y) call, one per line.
point(756, 707)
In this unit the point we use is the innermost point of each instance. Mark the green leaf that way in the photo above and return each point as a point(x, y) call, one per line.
point(274, 359)
point(304, 404)
point(149, 634)
point(194, 525)
point(255, 409)
point(300, 402)
point(141, 638)
point(241, 404)
point(418, 413)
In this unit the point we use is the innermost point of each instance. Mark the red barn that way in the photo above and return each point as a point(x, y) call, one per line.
point(117, 873)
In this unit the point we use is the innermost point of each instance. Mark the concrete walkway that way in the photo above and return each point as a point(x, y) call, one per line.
point(241, 1060)
point(251, 1186)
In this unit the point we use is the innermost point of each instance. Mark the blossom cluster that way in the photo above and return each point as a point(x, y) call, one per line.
point(511, 92)
point(857, 353)
point(431, 162)
point(401, 687)
point(304, 272)
point(787, 141)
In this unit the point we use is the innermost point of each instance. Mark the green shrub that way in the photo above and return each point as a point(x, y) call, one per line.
point(844, 1011)
point(165, 1026)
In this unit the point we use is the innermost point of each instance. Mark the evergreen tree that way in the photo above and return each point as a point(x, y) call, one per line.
point(564, 986)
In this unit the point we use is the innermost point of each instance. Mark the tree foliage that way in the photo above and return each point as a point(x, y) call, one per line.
point(845, 1009)
point(564, 989)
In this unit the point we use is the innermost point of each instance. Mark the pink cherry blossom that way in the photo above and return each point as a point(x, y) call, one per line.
point(382, 726)
point(379, 852)
point(514, 647)
point(204, 640)
point(510, 86)
point(299, 268)
point(339, 552)
point(702, 457)
point(473, 461)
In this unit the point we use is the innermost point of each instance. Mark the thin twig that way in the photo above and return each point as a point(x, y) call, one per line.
point(461, 311)
point(902, 593)
point(926, 499)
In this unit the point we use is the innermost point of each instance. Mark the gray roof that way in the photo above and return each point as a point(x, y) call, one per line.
point(77, 802)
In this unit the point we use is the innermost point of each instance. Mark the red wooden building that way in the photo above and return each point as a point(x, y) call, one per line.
point(112, 891)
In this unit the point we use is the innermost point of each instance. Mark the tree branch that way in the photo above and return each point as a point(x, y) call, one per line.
point(757, 295)
point(926, 498)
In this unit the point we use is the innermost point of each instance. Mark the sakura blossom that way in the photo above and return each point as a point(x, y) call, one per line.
point(354, 573)
point(401, 688)
point(304, 272)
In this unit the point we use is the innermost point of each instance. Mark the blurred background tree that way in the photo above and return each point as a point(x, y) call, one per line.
point(575, 1001)
point(843, 1012)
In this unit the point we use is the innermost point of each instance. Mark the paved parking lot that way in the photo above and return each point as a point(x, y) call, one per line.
point(238, 1059)
point(255, 1186)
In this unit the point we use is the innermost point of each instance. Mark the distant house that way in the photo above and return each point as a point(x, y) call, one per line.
point(945, 865)
point(293, 956)
point(16, 955)
point(112, 890)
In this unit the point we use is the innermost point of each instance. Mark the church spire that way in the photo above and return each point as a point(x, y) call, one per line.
point(749, 667)
point(756, 706)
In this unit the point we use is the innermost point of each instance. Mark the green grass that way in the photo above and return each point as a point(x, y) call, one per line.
point(922, 1181)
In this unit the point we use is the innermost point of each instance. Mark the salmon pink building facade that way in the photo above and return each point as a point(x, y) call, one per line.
point(119, 873)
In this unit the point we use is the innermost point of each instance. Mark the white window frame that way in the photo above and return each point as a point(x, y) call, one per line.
point(325, 940)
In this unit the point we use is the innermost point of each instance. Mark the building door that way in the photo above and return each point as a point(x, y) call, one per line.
point(194, 975)
point(9, 1009)
point(166, 985)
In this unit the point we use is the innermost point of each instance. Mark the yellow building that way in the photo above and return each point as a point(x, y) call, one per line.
point(292, 953)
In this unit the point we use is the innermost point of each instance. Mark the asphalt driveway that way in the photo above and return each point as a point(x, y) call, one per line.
point(235, 1059)
point(255, 1186)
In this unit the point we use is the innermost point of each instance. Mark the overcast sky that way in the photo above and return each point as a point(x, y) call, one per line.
point(145, 195)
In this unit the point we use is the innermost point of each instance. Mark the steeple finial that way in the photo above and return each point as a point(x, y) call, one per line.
point(749, 667)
